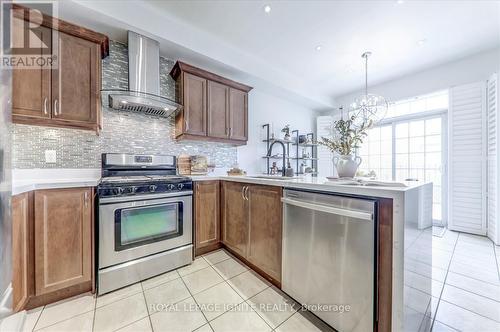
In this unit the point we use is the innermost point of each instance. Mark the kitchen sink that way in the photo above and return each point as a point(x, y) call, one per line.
point(273, 177)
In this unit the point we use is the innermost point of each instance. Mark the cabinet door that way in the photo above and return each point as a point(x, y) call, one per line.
point(265, 225)
point(238, 106)
point(76, 80)
point(234, 217)
point(218, 110)
point(195, 105)
point(31, 90)
point(63, 238)
point(22, 246)
point(206, 215)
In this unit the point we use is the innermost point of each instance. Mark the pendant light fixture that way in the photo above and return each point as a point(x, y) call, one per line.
point(368, 106)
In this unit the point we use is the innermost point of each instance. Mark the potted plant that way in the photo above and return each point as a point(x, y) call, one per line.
point(347, 138)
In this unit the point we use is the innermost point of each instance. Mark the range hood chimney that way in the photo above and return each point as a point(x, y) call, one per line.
point(143, 94)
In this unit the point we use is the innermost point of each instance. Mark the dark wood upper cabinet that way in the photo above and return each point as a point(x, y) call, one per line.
point(206, 216)
point(194, 119)
point(234, 217)
point(76, 82)
point(238, 115)
point(31, 87)
point(223, 117)
point(63, 239)
point(218, 110)
point(67, 94)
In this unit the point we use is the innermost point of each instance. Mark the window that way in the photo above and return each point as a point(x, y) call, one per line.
point(409, 144)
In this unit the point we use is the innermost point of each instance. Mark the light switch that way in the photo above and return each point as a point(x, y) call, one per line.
point(50, 156)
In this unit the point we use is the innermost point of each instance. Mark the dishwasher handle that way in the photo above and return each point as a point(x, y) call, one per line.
point(329, 209)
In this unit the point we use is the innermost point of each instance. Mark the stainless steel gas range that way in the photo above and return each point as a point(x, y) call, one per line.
point(145, 219)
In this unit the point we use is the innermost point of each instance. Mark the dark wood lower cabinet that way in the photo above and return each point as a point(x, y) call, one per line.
point(206, 216)
point(22, 250)
point(52, 245)
point(265, 220)
point(252, 224)
point(234, 217)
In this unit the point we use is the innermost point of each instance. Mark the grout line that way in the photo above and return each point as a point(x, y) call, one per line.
point(459, 306)
point(197, 304)
point(38, 318)
point(444, 282)
point(95, 308)
point(147, 309)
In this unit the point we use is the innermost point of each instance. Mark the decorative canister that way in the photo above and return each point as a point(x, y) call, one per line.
point(184, 164)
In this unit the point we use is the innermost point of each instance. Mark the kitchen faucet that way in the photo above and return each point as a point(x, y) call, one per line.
point(283, 171)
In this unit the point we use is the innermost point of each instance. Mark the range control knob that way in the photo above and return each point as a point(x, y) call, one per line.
point(152, 188)
point(171, 187)
point(118, 191)
point(132, 189)
point(180, 186)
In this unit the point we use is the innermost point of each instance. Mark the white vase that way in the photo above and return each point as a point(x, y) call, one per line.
point(347, 166)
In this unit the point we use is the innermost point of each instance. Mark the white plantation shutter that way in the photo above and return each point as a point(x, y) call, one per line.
point(323, 129)
point(467, 158)
point(493, 162)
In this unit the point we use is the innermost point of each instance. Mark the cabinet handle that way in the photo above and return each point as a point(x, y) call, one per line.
point(185, 125)
point(243, 193)
point(86, 198)
point(230, 132)
point(55, 107)
point(246, 193)
point(45, 106)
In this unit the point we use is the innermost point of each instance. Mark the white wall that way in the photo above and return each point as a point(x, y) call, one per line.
point(265, 108)
point(467, 70)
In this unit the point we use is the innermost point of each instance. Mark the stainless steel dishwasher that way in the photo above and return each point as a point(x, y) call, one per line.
point(329, 257)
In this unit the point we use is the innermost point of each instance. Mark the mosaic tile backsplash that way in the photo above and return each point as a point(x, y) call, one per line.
point(122, 132)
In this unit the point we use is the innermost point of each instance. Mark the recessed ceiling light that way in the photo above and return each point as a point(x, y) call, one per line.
point(421, 42)
point(267, 9)
point(400, 2)
point(319, 47)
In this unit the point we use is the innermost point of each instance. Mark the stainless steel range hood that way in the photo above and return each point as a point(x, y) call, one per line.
point(143, 94)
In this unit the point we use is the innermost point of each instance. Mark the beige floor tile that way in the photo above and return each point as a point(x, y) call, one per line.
point(440, 327)
point(121, 313)
point(118, 294)
point(216, 257)
point(183, 316)
point(248, 284)
point(198, 264)
point(161, 279)
point(62, 310)
point(31, 319)
point(229, 268)
point(273, 306)
point(201, 280)
point(204, 328)
point(80, 323)
point(464, 320)
point(218, 299)
point(297, 323)
point(423, 284)
point(476, 286)
point(412, 319)
point(475, 272)
point(143, 325)
point(473, 302)
point(159, 297)
point(242, 318)
point(416, 300)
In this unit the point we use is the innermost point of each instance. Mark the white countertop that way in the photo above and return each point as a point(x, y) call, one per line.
point(318, 183)
point(24, 180)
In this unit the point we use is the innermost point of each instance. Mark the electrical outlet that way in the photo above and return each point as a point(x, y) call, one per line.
point(50, 156)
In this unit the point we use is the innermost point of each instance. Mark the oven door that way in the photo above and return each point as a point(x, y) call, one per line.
point(137, 226)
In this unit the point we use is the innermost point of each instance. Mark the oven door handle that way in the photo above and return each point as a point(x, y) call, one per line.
point(134, 198)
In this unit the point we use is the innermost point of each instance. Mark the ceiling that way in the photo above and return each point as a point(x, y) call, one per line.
point(277, 50)
point(287, 37)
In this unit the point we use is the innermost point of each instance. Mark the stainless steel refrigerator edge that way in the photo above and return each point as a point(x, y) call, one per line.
point(329, 257)
point(5, 193)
